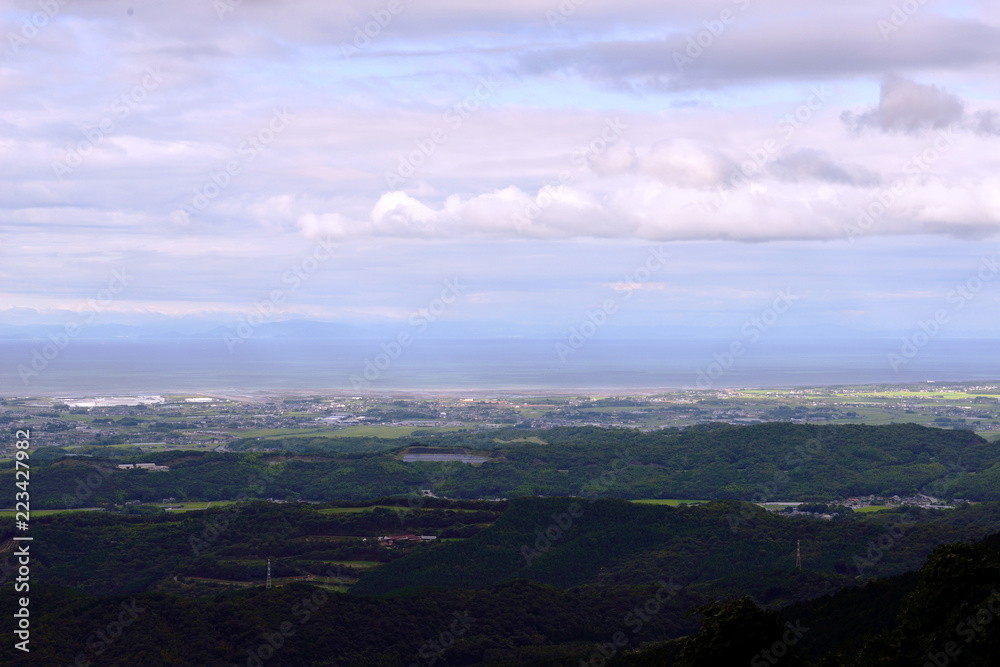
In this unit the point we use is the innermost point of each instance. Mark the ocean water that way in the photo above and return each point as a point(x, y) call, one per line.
point(88, 367)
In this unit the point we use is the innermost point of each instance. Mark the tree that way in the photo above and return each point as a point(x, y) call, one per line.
point(737, 631)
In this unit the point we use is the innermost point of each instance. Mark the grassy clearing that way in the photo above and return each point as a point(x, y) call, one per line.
point(190, 505)
point(11, 513)
point(187, 506)
point(368, 508)
point(670, 502)
point(534, 439)
point(872, 508)
point(149, 449)
point(946, 395)
point(206, 580)
point(379, 431)
point(352, 510)
point(357, 564)
point(284, 432)
point(332, 587)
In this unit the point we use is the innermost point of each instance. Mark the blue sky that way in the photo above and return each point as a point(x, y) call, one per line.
point(534, 153)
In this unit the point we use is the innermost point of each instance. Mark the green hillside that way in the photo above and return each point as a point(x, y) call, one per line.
point(765, 461)
point(612, 542)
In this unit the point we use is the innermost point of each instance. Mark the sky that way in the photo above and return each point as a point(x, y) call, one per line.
point(510, 168)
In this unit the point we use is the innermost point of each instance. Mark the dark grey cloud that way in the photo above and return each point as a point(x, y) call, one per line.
point(812, 164)
point(773, 48)
point(986, 123)
point(908, 106)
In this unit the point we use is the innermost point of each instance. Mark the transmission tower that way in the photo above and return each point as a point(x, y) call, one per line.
point(798, 555)
point(269, 573)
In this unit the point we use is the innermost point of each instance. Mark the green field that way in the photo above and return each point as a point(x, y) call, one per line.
point(670, 502)
point(195, 505)
point(389, 431)
point(158, 447)
point(872, 508)
point(945, 395)
point(274, 432)
point(11, 513)
point(199, 505)
point(368, 508)
point(359, 564)
point(352, 510)
point(535, 439)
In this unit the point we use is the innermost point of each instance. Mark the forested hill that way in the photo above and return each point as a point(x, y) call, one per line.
point(944, 616)
point(718, 548)
point(788, 461)
point(896, 622)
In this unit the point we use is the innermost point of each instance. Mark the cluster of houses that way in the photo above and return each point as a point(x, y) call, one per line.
point(926, 502)
point(152, 467)
point(389, 540)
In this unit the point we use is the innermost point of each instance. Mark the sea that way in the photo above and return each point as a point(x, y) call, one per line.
point(179, 366)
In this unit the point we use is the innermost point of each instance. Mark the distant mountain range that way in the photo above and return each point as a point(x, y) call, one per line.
point(193, 328)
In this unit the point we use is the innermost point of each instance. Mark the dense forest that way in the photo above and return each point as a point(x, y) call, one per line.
point(947, 614)
point(90, 551)
point(774, 461)
point(613, 542)
point(676, 612)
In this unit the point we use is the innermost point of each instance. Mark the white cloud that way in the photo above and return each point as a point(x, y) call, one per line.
point(510, 171)
point(686, 163)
